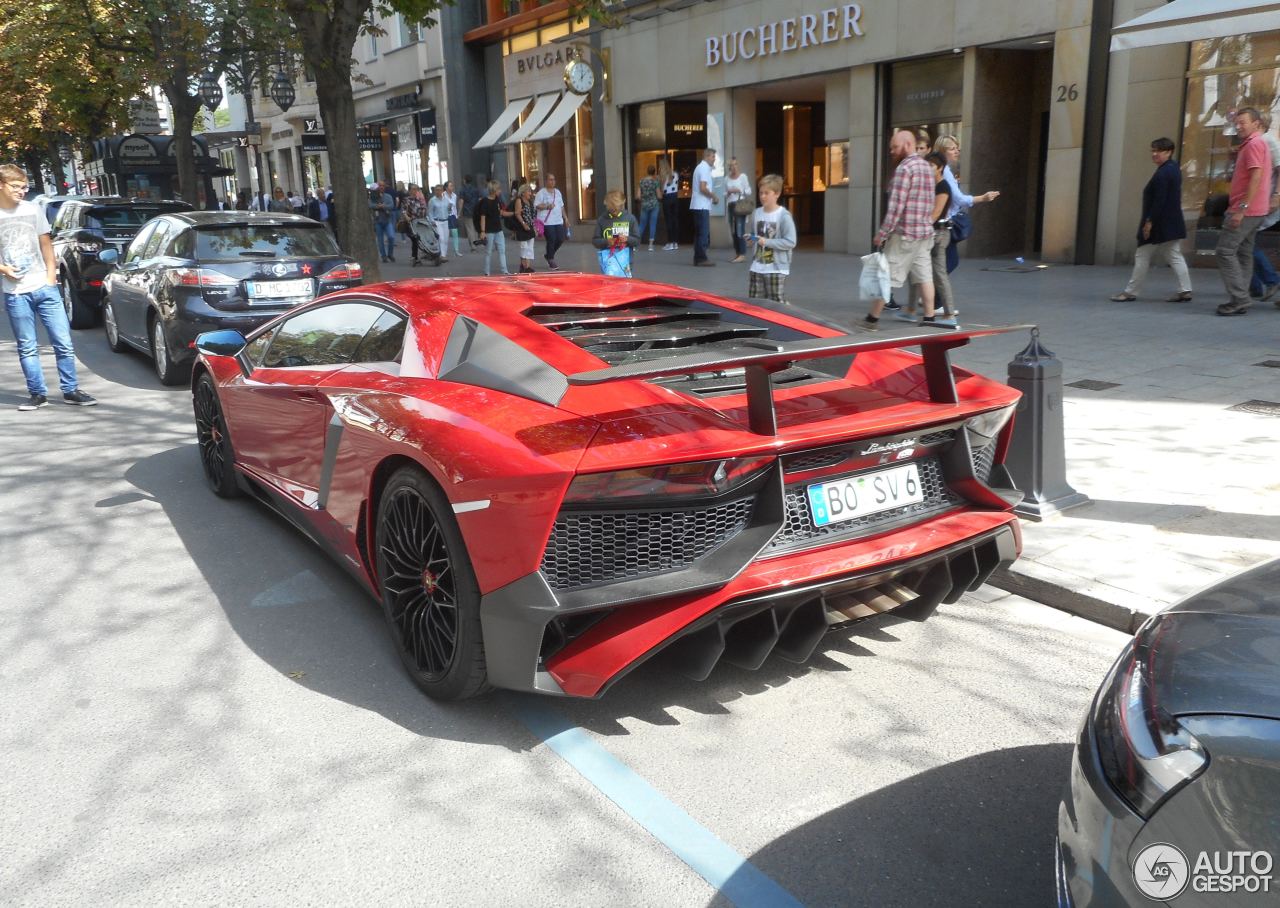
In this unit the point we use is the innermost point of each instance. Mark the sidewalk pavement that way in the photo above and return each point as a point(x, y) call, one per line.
point(1184, 489)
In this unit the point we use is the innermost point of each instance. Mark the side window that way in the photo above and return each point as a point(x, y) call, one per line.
point(157, 240)
point(384, 341)
point(325, 336)
point(258, 346)
point(182, 246)
point(65, 219)
point(140, 242)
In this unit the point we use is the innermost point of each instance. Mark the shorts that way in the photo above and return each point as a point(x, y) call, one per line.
point(766, 286)
point(526, 249)
point(913, 258)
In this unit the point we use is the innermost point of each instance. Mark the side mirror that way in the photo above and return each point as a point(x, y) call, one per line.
point(108, 256)
point(220, 343)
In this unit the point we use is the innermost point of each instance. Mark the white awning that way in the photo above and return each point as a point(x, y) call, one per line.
point(541, 108)
point(568, 106)
point(502, 124)
point(1195, 20)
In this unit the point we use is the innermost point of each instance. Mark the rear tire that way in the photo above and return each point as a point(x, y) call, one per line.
point(166, 371)
point(110, 327)
point(79, 314)
point(428, 588)
point(216, 454)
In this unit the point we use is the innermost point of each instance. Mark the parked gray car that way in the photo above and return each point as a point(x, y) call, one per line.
point(1175, 784)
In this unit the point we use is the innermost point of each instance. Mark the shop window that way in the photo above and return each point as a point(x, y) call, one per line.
point(837, 164)
point(1225, 75)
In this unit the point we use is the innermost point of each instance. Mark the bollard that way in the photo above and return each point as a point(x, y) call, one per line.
point(1037, 458)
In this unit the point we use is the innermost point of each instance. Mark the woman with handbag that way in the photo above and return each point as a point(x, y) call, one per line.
point(524, 231)
point(737, 190)
point(961, 203)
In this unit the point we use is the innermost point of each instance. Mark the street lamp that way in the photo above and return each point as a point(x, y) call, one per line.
point(282, 92)
point(210, 90)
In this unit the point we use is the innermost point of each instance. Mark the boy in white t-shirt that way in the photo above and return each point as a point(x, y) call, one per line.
point(772, 231)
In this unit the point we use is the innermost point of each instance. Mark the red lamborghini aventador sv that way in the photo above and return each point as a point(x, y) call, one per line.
point(548, 480)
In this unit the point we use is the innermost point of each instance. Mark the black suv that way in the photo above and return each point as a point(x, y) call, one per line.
point(85, 227)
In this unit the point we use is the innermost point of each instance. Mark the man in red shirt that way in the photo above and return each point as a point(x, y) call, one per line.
point(906, 234)
point(1249, 201)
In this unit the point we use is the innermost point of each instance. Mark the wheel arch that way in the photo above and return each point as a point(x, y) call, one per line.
point(378, 479)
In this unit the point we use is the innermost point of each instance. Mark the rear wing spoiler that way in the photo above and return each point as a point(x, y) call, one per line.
point(760, 364)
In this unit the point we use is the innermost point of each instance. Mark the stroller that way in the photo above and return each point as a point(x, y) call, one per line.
point(428, 240)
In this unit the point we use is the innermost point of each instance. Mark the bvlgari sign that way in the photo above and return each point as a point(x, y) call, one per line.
point(839, 23)
point(538, 70)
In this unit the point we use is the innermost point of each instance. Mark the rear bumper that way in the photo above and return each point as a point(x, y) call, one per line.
point(776, 605)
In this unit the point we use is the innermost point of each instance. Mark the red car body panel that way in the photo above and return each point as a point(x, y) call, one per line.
point(508, 460)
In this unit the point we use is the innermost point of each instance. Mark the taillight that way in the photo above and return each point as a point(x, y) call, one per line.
point(701, 479)
point(351, 271)
point(200, 277)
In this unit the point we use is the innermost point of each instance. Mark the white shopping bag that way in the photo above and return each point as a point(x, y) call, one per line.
point(874, 282)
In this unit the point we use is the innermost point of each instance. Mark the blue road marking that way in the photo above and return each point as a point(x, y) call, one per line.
point(730, 873)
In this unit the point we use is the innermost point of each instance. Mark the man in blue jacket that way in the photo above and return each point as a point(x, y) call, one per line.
point(1163, 228)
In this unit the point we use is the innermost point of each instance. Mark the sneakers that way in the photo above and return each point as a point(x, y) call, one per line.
point(1232, 309)
point(1122, 297)
point(870, 323)
point(945, 322)
point(651, 247)
point(1267, 292)
point(904, 315)
point(892, 304)
point(78, 398)
point(1183, 297)
point(551, 264)
point(34, 402)
point(705, 263)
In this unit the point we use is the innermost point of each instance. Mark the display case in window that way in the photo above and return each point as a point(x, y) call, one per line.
point(837, 164)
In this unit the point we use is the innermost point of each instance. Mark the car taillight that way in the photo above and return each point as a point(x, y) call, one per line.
point(89, 245)
point(200, 277)
point(701, 479)
point(350, 271)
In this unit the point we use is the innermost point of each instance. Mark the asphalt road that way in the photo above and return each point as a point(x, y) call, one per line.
point(195, 706)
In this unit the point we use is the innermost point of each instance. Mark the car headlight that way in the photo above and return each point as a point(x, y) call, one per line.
point(1146, 754)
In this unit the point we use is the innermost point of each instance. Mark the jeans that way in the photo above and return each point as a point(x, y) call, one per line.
point(1235, 258)
point(649, 224)
point(1172, 251)
point(46, 304)
point(671, 217)
point(738, 226)
point(385, 231)
point(496, 240)
point(554, 234)
point(1264, 273)
point(701, 234)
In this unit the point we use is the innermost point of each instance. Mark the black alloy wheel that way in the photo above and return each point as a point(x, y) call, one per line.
point(216, 454)
point(111, 327)
point(429, 592)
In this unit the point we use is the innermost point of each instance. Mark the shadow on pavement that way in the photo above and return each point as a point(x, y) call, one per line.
point(1184, 518)
point(298, 611)
point(978, 831)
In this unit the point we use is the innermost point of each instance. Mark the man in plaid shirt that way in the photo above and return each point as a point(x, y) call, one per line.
point(906, 234)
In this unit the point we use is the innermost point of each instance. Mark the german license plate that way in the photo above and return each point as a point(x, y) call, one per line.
point(857, 496)
point(279, 289)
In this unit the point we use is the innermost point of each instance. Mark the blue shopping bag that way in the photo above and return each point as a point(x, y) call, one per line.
point(616, 262)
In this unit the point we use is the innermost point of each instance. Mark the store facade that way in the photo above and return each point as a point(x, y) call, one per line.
point(1043, 111)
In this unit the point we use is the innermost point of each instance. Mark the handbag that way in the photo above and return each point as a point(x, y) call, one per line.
point(743, 207)
point(961, 226)
point(540, 226)
point(873, 284)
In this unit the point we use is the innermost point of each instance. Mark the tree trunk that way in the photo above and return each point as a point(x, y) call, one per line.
point(354, 227)
point(328, 36)
point(184, 108)
point(32, 159)
point(55, 163)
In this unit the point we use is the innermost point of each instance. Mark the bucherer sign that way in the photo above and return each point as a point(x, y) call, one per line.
point(839, 23)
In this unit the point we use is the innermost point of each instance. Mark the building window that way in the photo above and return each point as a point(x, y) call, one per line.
point(1226, 74)
point(410, 32)
point(373, 46)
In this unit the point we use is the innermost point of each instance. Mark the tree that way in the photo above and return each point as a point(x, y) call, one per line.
point(59, 88)
point(328, 30)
